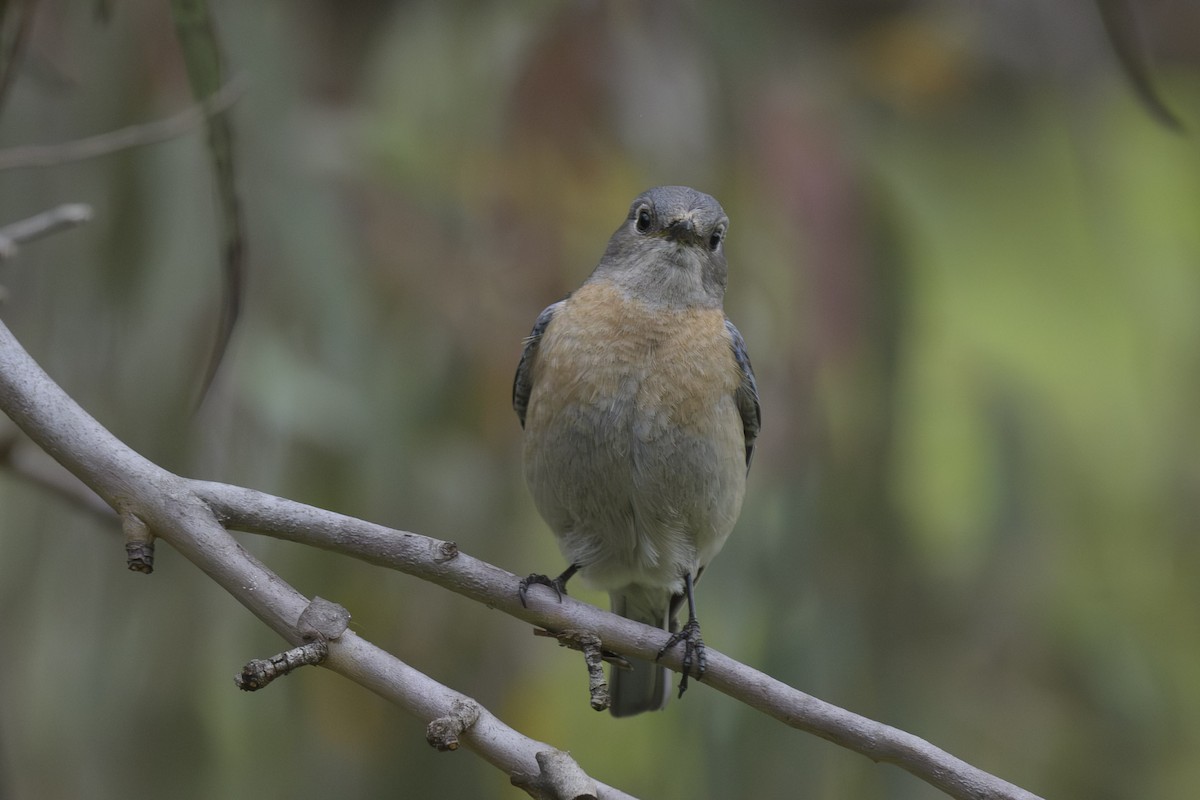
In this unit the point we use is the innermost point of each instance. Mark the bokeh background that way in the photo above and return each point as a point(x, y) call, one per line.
point(966, 260)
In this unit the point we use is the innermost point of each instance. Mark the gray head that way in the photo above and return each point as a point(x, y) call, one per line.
point(670, 250)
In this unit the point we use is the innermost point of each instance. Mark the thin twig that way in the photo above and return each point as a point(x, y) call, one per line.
point(161, 130)
point(65, 216)
point(27, 462)
point(12, 48)
point(259, 672)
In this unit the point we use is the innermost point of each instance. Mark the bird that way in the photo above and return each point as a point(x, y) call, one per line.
point(640, 411)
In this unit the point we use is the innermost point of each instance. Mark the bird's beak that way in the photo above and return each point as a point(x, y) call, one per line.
point(682, 229)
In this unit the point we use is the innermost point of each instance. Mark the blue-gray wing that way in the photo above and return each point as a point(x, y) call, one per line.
point(523, 380)
point(747, 391)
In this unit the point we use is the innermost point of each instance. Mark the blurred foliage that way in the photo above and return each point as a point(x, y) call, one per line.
point(967, 265)
point(200, 46)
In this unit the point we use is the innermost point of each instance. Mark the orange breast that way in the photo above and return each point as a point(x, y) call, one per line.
point(603, 347)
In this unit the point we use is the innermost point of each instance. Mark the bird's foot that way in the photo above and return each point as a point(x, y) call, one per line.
point(693, 652)
point(559, 585)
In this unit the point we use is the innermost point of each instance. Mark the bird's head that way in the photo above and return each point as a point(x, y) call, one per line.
point(670, 250)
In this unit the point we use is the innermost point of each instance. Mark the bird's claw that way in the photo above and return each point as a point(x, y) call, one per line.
point(557, 584)
point(693, 652)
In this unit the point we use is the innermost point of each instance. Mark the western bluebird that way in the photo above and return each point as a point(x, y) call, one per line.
point(640, 413)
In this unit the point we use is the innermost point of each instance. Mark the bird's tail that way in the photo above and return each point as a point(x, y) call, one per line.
point(646, 687)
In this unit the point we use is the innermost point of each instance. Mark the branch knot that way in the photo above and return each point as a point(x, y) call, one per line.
point(321, 622)
point(443, 732)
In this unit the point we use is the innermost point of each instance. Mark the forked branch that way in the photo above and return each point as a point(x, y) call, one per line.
point(195, 518)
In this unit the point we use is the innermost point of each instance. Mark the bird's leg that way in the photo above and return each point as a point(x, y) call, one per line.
point(693, 645)
point(559, 584)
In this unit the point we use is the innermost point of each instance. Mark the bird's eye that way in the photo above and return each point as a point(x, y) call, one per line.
point(643, 219)
point(715, 240)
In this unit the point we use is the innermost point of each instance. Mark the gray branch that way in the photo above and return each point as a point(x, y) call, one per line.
point(47, 222)
point(194, 516)
point(175, 511)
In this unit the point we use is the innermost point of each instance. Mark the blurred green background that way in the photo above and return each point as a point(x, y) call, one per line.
point(967, 265)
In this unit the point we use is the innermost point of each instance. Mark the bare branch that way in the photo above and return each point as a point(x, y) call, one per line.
point(259, 672)
point(193, 515)
point(33, 466)
point(173, 511)
point(13, 42)
point(320, 623)
point(65, 216)
point(139, 544)
point(161, 130)
point(443, 732)
point(246, 509)
point(558, 776)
